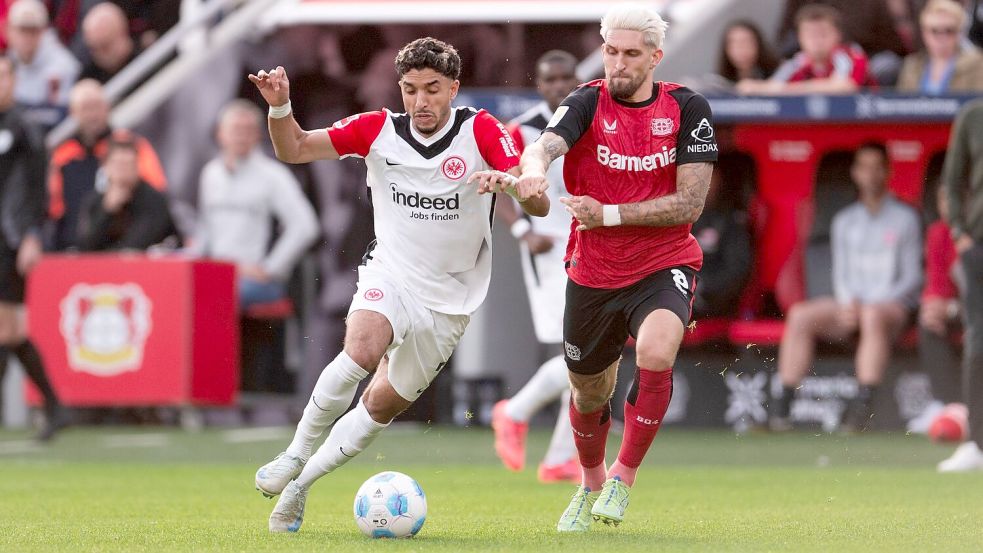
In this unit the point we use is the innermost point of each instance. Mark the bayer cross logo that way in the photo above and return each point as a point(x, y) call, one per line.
point(373, 294)
point(662, 126)
point(453, 167)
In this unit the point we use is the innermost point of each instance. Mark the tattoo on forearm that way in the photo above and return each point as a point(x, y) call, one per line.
point(685, 206)
point(554, 146)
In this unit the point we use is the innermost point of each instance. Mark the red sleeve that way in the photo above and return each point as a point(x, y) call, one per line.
point(515, 131)
point(494, 142)
point(354, 135)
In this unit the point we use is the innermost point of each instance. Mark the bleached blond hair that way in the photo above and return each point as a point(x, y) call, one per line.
point(945, 7)
point(635, 17)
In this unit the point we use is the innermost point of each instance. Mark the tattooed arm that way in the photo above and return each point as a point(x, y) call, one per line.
point(683, 207)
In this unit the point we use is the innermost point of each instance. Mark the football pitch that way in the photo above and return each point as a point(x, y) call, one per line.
point(116, 489)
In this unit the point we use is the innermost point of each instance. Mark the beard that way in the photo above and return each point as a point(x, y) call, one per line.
point(623, 89)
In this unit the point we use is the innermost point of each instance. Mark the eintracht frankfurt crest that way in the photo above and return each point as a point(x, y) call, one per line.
point(105, 327)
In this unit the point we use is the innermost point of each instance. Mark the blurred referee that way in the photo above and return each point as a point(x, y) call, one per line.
point(22, 166)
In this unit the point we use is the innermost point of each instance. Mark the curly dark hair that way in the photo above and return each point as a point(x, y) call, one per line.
point(429, 53)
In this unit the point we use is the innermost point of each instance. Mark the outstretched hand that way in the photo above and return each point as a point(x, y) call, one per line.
point(491, 181)
point(273, 85)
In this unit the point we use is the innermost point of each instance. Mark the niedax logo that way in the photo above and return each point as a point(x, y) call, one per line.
point(704, 132)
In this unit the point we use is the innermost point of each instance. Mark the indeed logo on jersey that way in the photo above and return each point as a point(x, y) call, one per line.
point(622, 162)
point(425, 202)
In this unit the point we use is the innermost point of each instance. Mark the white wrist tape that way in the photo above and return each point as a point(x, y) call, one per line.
point(611, 215)
point(520, 228)
point(279, 112)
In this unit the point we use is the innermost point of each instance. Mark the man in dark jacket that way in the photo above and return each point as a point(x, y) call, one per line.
point(128, 214)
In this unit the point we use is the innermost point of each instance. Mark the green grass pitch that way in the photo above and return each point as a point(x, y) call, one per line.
point(163, 490)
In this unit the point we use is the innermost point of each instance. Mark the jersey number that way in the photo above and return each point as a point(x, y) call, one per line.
point(679, 278)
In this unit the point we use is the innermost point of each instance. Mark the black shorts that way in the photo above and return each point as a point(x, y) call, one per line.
point(11, 282)
point(597, 321)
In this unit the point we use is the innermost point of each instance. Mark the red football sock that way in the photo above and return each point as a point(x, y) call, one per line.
point(646, 405)
point(590, 434)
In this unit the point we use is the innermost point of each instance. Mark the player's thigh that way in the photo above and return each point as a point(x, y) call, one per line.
point(658, 340)
point(594, 329)
point(659, 307)
point(419, 359)
point(377, 320)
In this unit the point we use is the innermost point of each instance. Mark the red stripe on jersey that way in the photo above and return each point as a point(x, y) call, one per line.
point(494, 142)
point(355, 134)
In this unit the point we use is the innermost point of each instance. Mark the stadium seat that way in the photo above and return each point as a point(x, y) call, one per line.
point(764, 332)
point(274, 310)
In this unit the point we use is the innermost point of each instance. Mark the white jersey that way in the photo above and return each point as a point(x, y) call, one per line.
point(432, 228)
point(526, 129)
point(544, 274)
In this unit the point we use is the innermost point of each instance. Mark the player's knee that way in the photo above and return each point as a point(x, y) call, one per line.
point(381, 407)
point(798, 317)
point(873, 319)
point(588, 401)
point(590, 392)
point(655, 356)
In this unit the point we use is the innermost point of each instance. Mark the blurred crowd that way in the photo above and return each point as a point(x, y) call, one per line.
point(929, 47)
point(106, 189)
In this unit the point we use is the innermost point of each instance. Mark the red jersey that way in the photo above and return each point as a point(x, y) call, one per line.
point(940, 254)
point(846, 60)
point(626, 153)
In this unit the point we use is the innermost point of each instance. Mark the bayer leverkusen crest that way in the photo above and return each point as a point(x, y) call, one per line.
point(105, 327)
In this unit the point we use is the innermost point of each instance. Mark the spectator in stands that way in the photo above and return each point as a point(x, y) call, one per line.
point(939, 321)
point(106, 33)
point(75, 162)
point(241, 193)
point(869, 23)
point(976, 23)
point(21, 214)
point(962, 177)
point(945, 64)
point(877, 274)
point(128, 214)
point(825, 65)
point(46, 70)
point(723, 235)
point(744, 53)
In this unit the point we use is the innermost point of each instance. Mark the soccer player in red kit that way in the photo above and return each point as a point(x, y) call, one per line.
point(425, 273)
point(638, 160)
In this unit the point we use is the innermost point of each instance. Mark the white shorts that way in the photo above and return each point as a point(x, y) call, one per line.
point(546, 283)
point(423, 340)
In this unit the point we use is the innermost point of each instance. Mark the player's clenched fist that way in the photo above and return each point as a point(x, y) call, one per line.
point(586, 210)
point(273, 85)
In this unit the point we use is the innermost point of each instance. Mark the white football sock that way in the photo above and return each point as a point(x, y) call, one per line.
point(545, 386)
point(349, 437)
point(333, 393)
point(562, 447)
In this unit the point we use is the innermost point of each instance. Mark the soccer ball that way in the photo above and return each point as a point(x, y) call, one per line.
point(390, 505)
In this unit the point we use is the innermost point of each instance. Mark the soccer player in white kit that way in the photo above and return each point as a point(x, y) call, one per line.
point(543, 242)
point(427, 271)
